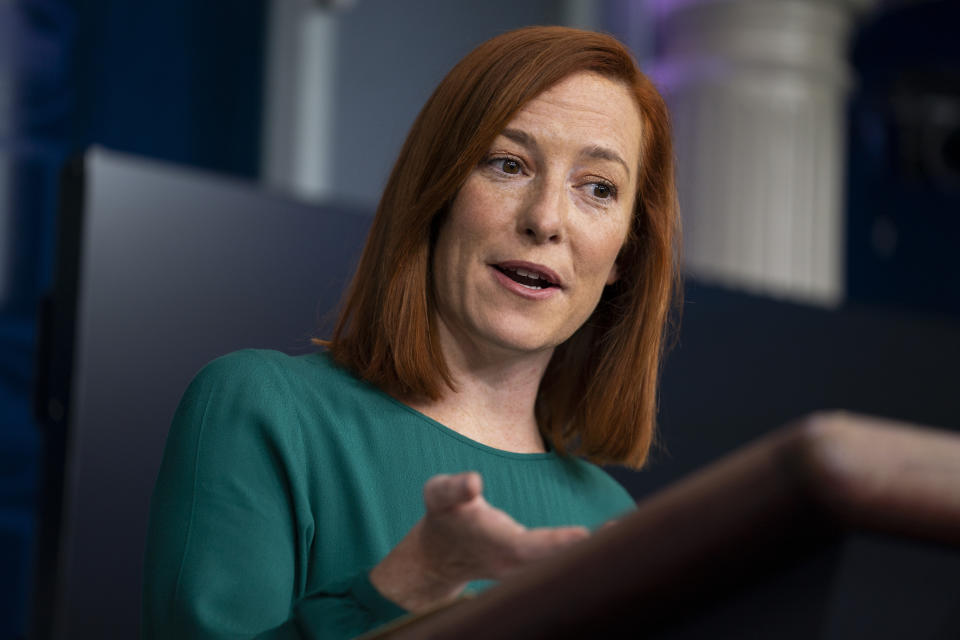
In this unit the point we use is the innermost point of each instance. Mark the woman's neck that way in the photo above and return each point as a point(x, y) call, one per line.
point(494, 398)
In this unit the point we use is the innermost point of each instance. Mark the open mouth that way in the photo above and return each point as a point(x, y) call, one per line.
point(529, 278)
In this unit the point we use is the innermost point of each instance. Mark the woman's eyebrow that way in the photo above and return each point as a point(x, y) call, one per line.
point(520, 137)
point(603, 153)
point(596, 151)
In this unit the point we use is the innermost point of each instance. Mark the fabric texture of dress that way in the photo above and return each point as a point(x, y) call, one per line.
point(286, 479)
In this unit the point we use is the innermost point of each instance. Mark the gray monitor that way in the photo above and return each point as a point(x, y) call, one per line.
point(160, 269)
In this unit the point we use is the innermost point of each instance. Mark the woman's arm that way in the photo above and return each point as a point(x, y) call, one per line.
point(232, 528)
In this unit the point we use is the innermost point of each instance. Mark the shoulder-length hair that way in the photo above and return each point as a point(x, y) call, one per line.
point(598, 394)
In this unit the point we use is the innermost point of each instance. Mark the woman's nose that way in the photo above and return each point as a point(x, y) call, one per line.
point(543, 214)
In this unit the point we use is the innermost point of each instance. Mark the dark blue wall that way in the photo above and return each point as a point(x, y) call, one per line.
point(172, 79)
point(904, 169)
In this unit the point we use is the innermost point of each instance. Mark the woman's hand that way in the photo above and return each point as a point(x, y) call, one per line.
point(461, 538)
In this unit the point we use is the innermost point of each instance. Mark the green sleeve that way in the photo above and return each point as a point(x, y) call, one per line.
point(231, 524)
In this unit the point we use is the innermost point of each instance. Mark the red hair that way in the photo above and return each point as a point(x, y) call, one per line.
point(598, 395)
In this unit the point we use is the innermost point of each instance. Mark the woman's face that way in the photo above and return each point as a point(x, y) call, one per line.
point(533, 235)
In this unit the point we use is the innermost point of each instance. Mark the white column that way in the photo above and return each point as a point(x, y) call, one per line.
point(581, 14)
point(299, 100)
point(757, 90)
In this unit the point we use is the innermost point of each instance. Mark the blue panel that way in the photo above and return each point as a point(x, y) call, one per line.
point(904, 160)
point(168, 79)
point(16, 550)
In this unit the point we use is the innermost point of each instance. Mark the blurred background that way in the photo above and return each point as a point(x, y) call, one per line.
point(818, 151)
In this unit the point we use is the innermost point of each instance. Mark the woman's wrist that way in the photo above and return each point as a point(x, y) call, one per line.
point(405, 576)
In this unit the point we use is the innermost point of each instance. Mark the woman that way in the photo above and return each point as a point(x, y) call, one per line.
point(506, 314)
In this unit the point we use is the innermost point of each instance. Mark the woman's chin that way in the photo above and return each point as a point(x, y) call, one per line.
point(515, 343)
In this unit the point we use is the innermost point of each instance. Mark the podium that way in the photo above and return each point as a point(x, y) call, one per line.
point(792, 536)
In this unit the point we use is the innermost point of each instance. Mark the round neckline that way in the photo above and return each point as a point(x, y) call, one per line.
point(550, 454)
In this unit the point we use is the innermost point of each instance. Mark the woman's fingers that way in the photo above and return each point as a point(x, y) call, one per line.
point(609, 523)
point(450, 546)
point(444, 492)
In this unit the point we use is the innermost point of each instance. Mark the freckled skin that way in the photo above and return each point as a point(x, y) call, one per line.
point(543, 194)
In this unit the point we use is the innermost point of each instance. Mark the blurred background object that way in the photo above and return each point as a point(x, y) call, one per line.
point(903, 205)
point(819, 176)
point(758, 91)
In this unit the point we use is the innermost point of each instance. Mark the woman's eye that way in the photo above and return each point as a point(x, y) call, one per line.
point(602, 191)
point(508, 165)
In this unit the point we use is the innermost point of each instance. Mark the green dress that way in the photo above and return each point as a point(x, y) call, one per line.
point(286, 479)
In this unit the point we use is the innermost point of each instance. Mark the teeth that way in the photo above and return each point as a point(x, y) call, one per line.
point(528, 274)
point(533, 275)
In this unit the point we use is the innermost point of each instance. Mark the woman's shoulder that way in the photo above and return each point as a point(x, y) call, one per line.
point(258, 368)
point(267, 381)
point(257, 394)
